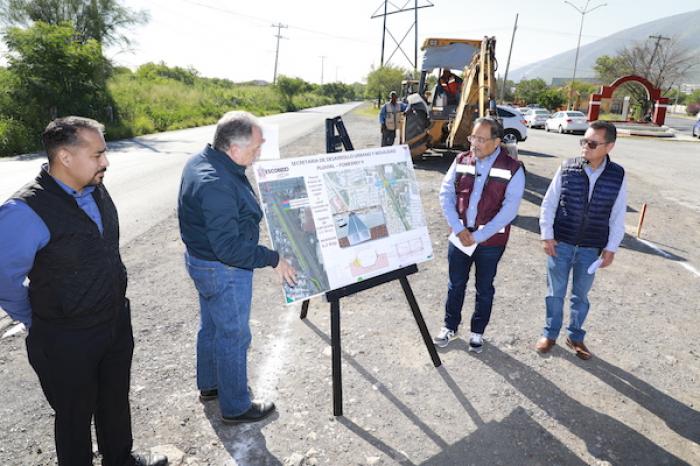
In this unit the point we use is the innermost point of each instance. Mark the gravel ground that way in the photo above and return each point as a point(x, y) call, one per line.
point(635, 402)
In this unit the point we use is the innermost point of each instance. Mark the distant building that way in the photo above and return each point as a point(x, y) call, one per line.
point(689, 88)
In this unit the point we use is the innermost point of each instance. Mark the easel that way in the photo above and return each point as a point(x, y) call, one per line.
point(333, 142)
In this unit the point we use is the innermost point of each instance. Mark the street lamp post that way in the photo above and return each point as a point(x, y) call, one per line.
point(583, 11)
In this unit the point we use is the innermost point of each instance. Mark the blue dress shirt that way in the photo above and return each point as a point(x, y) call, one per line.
point(22, 234)
point(509, 209)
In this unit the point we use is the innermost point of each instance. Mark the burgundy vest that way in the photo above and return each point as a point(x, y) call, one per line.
point(503, 169)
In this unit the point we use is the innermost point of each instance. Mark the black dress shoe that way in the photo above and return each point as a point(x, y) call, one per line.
point(149, 459)
point(258, 411)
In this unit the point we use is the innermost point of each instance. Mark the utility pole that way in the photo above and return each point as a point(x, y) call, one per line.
point(658, 38)
point(323, 59)
point(583, 13)
point(279, 26)
point(512, 39)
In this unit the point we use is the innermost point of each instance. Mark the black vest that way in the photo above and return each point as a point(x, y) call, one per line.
point(581, 222)
point(78, 279)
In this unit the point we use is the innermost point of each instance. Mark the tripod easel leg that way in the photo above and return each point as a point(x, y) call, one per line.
point(419, 320)
point(304, 309)
point(336, 352)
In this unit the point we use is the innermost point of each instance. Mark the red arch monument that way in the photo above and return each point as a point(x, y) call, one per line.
point(606, 92)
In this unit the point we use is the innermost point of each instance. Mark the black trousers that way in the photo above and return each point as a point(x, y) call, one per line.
point(85, 373)
point(388, 137)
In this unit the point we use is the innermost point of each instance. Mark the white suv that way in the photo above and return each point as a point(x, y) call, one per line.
point(514, 129)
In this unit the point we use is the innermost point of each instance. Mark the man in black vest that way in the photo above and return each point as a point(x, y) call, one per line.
point(62, 232)
point(582, 223)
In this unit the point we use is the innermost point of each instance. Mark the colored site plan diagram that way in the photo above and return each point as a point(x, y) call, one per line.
point(343, 218)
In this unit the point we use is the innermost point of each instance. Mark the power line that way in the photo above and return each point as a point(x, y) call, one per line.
point(267, 21)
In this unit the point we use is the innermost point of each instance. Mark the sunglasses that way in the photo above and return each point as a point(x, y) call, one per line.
point(591, 144)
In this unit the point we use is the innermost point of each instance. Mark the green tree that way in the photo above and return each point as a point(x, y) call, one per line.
point(54, 75)
point(693, 98)
point(384, 80)
point(288, 88)
point(508, 92)
point(155, 71)
point(552, 99)
point(101, 20)
point(608, 68)
point(529, 90)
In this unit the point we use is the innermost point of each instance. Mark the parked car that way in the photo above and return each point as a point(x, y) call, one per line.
point(566, 122)
point(514, 129)
point(535, 117)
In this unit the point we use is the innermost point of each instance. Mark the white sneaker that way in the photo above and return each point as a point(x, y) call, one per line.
point(476, 342)
point(444, 337)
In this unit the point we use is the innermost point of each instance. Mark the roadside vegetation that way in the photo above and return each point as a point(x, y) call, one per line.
point(56, 67)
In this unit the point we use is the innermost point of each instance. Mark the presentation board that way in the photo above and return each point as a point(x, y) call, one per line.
point(344, 217)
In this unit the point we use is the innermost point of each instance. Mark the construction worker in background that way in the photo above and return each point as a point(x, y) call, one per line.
point(450, 84)
point(389, 117)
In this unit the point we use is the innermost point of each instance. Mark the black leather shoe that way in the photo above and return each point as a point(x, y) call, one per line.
point(149, 459)
point(258, 411)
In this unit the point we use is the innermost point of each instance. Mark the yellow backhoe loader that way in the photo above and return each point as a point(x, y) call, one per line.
point(442, 117)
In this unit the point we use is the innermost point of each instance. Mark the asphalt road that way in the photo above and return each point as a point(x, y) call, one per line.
point(684, 125)
point(144, 173)
point(671, 166)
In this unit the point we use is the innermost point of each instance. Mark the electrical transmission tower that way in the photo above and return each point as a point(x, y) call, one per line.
point(400, 9)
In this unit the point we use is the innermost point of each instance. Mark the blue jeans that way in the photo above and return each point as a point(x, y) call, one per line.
point(225, 295)
point(568, 258)
point(486, 260)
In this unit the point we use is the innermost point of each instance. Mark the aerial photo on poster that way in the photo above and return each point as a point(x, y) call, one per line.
point(343, 218)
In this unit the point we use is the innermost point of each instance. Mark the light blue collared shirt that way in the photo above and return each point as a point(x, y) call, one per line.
point(509, 209)
point(22, 234)
point(548, 209)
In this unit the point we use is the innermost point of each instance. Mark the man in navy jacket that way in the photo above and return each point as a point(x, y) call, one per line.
point(219, 219)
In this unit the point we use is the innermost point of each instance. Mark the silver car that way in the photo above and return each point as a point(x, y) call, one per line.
point(535, 117)
point(567, 122)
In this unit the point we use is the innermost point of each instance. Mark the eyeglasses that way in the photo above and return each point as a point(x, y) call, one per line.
point(591, 144)
point(478, 139)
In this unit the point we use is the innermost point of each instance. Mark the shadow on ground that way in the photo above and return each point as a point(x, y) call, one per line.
point(245, 443)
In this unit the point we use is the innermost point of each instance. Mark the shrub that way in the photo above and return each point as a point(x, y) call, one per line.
point(15, 138)
point(692, 109)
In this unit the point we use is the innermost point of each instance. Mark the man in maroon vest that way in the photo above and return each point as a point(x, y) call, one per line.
point(480, 197)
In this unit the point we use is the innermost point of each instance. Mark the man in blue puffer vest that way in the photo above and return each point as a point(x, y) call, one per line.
point(582, 223)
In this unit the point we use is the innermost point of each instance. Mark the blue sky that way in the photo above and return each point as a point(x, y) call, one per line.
point(235, 39)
